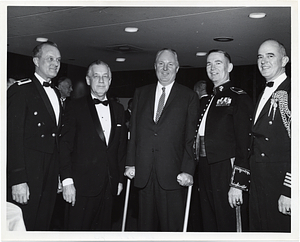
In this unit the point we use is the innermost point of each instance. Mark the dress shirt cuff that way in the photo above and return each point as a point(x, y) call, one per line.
point(67, 181)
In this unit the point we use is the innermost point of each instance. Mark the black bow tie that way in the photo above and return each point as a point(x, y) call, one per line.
point(269, 84)
point(97, 101)
point(47, 84)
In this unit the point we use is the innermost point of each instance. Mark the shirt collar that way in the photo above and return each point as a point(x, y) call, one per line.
point(222, 87)
point(278, 81)
point(41, 79)
point(168, 87)
point(93, 96)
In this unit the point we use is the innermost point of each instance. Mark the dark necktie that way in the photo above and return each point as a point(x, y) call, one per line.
point(47, 84)
point(97, 101)
point(160, 105)
point(269, 84)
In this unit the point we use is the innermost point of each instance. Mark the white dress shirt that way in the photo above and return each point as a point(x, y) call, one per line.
point(158, 93)
point(52, 97)
point(268, 93)
point(104, 117)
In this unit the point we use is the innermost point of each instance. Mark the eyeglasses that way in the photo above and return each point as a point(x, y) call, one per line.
point(105, 78)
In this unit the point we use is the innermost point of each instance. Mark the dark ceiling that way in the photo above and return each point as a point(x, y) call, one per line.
point(84, 34)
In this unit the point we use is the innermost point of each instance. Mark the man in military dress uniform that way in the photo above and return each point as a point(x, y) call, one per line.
point(33, 118)
point(222, 143)
point(270, 161)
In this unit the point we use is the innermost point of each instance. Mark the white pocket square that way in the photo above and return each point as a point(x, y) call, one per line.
point(119, 125)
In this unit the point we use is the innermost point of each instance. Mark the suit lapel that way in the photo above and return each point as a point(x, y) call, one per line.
point(266, 107)
point(95, 118)
point(151, 98)
point(113, 121)
point(45, 98)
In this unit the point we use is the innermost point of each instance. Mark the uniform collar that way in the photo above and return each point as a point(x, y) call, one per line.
point(222, 87)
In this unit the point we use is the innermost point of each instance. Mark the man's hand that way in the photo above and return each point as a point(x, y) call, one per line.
point(185, 179)
point(284, 205)
point(20, 193)
point(235, 197)
point(69, 193)
point(129, 172)
point(120, 189)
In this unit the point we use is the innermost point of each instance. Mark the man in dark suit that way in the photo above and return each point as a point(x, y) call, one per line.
point(33, 120)
point(93, 152)
point(160, 150)
point(270, 161)
point(65, 87)
point(222, 144)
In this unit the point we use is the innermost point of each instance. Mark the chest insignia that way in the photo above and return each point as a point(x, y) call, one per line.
point(223, 101)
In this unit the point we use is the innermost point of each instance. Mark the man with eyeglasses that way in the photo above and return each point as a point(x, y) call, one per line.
point(93, 150)
point(33, 123)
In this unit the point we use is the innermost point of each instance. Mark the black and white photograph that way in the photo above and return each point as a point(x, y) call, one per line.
point(150, 121)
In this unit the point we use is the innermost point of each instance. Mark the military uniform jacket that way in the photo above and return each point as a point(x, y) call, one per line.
point(84, 155)
point(228, 130)
point(31, 125)
point(272, 137)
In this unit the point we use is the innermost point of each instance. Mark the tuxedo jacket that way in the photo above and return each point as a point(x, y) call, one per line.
point(271, 141)
point(84, 154)
point(165, 146)
point(228, 130)
point(31, 127)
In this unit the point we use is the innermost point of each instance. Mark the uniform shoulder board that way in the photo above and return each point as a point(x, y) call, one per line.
point(23, 81)
point(238, 90)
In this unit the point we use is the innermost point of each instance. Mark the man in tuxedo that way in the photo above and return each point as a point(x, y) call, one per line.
point(270, 161)
point(222, 147)
point(160, 154)
point(33, 121)
point(93, 153)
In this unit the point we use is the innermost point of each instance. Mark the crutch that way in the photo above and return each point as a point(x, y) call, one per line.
point(126, 205)
point(187, 208)
point(238, 219)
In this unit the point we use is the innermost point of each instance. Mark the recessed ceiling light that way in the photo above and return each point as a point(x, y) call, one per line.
point(201, 53)
point(257, 15)
point(223, 39)
point(120, 59)
point(131, 29)
point(41, 39)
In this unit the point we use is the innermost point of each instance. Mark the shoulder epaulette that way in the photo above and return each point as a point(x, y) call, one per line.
point(237, 90)
point(23, 81)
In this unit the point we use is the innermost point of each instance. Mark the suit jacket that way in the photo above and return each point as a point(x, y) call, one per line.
point(271, 141)
point(84, 155)
point(166, 146)
point(228, 130)
point(31, 126)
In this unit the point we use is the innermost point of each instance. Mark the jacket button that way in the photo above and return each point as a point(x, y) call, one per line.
point(267, 139)
point(39, 124)
point(42, 136)
point(35, 113)
point(263, 154)
point(270, 122)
